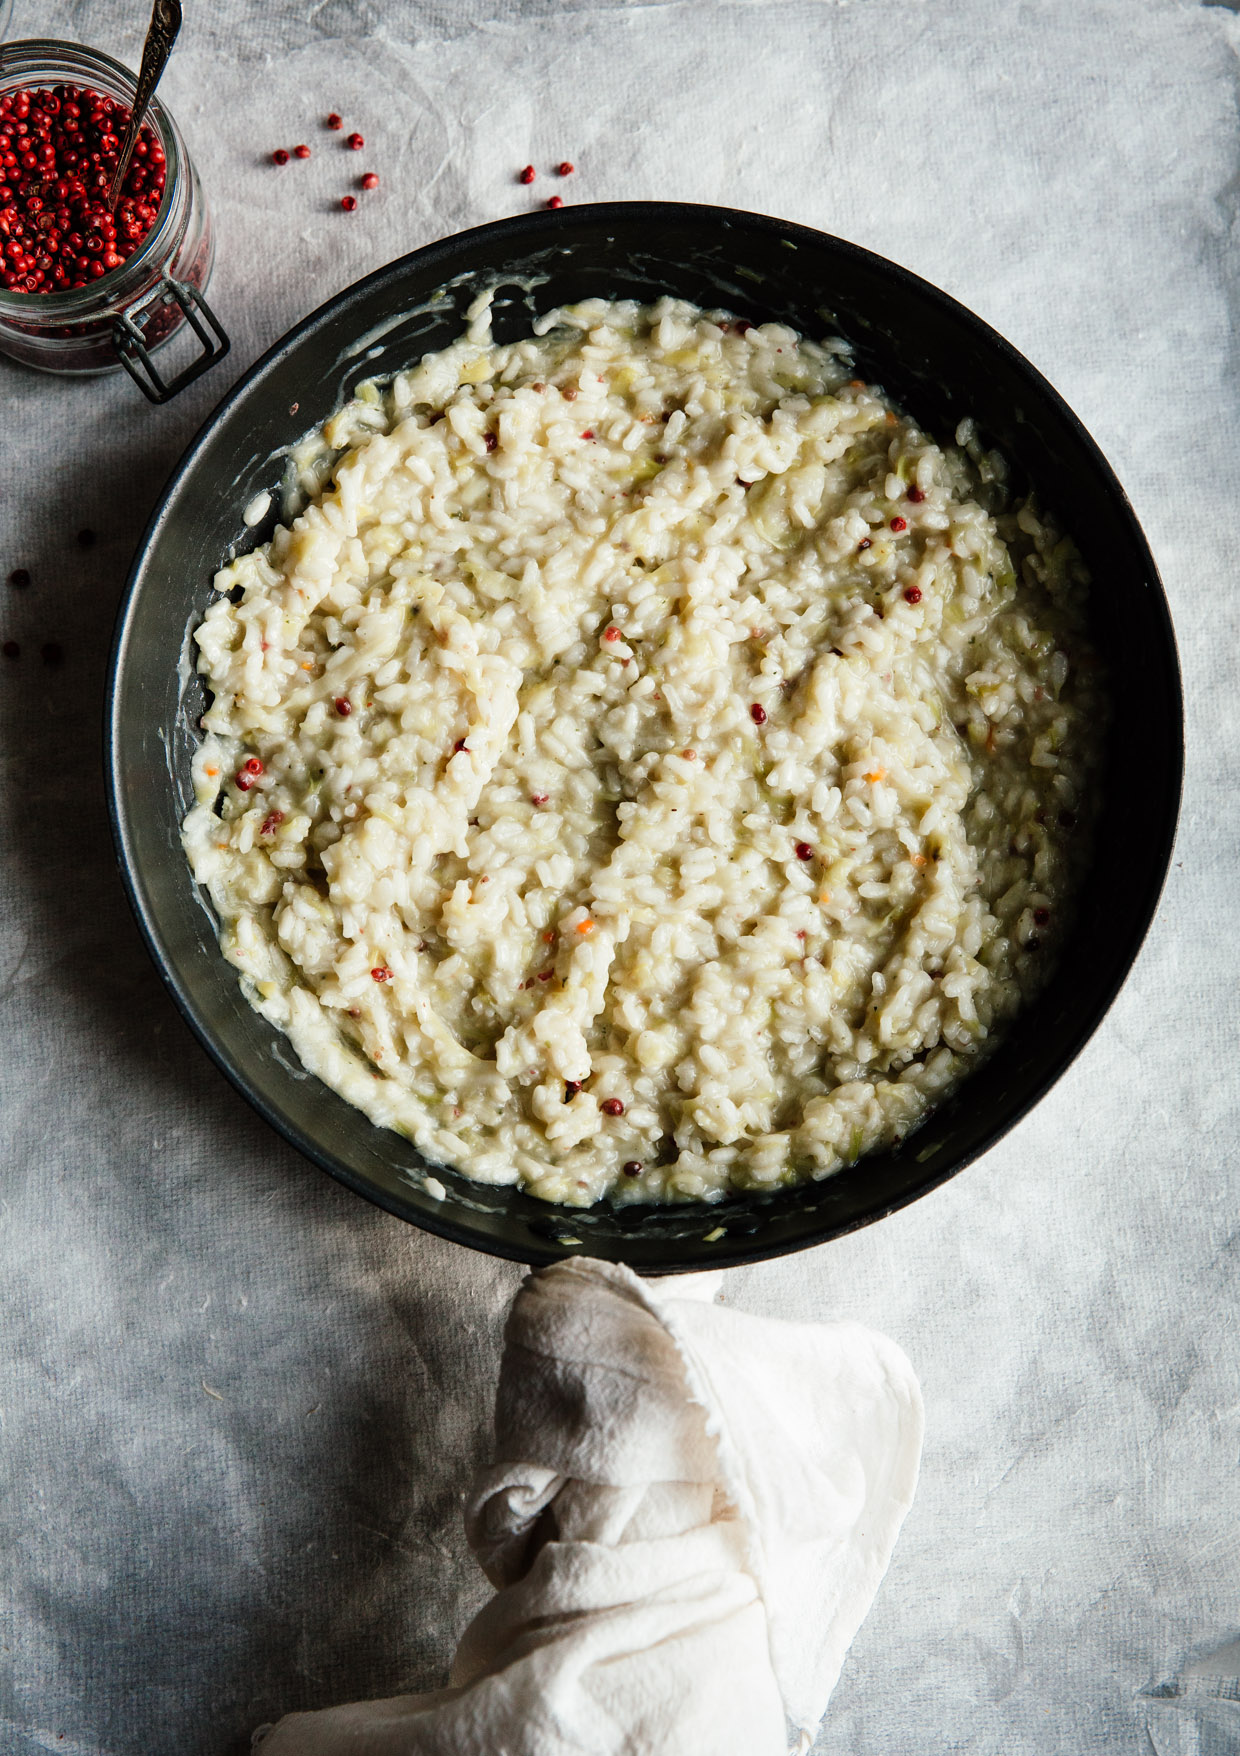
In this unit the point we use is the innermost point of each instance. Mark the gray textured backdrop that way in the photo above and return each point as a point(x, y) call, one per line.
point(237, 1405)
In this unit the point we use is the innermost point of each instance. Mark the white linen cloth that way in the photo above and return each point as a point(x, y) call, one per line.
point(687, 1520)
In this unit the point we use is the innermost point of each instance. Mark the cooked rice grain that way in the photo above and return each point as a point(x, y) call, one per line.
point(521, 844)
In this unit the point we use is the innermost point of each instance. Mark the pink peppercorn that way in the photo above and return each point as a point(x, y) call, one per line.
point(343, 706)
point(279, 156)
point(633, 1168)
point(916, 494)
point(271, 822)
point(610, 633)
point(556, 201)
point(253, 765)
point(1041, 916)
point(334, 121)
point(612, 1107)
point(348, 202)
point(571, 1088)
point(866, 543)
point(370, 180)
point(565, 168)
point(539, 798)
point(301, 152)
point(912, 594)
point(804, 851)
point(356, 142)
point(757, 714)
point(527, 175)
point(381, 973)
point(899, 524)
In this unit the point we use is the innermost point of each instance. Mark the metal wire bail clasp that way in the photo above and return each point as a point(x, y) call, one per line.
point(129, 340)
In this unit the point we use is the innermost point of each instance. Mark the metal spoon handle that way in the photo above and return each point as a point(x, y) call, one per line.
point(161, 34)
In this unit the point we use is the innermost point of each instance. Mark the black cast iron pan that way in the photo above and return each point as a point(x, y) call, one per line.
point(930, 354)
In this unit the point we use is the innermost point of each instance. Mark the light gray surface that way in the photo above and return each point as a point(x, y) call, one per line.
point(237, 1404)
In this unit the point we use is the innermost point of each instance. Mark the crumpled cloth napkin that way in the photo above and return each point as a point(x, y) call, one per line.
point(687, 1520)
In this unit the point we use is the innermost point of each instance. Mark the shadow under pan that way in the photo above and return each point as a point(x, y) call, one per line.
point(931, 356)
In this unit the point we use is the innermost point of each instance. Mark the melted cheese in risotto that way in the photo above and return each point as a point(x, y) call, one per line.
point(648, 764)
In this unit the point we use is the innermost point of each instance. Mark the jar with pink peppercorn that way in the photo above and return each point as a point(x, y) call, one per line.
point(84, 289)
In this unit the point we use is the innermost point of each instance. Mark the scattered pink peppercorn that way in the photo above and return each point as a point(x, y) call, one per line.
point(539, 798)
point(301, 152)
point(899, 524)
point(244, 781)
point(612, 633)
point(279, 156)
point(589, 433)
point(343, 706)
point(334, 121)
point(757, 714)
point(566, 168)
point(348, 202)
point(491, 441)
point(912, 594)
point(381, 973)
point(804, 851)
point(355, 142)
point(571, 1088)
point(612, 1107)
point(527, 175)
point(916, 494)
point(253, 765)
point(370, 180)
point(633, 1168)
point(556, 201)
point(271, 822)
point(1041, 916)
point(866, 543)
point(459, 746)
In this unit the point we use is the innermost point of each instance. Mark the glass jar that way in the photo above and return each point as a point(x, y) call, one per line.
point(120, 319)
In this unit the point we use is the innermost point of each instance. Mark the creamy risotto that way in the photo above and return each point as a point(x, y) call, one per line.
point(648, 764)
